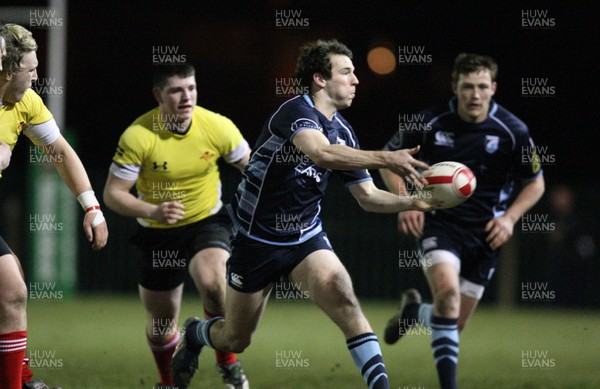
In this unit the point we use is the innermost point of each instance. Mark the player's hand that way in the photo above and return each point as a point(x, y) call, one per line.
point(411, 223)
point(169, 212)
point(95, 229)
point(5, 155)
point(405, 165)
point(499, 231)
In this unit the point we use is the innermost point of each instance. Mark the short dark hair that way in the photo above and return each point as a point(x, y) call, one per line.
point(315, 58)
point(163, 72)
point(466, 63)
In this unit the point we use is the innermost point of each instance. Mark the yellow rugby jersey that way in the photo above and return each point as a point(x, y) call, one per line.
point(14, 118)
point(170, 166)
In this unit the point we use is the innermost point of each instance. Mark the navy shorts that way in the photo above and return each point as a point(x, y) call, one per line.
point(254, 265)
point(477, 260)
point(166, 252)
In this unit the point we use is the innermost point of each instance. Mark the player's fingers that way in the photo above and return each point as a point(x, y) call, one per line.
point(414, 150)
point(87, 228)
point(417, 181)
point(179, 204)
point(412, 176)
point(419, 164)
point(403, 226)
point(411, 227)
point(420, 223)
point(100, 236)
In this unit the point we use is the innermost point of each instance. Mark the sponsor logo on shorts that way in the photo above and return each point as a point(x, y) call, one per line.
point(236, 279)
point(429, 243)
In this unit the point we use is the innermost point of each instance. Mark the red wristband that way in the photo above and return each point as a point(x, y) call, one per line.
point(92, 208)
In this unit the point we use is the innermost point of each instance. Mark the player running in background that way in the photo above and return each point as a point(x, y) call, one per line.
point(22, 111)
point(170, 154)
point(461, 244)
point(301, 145)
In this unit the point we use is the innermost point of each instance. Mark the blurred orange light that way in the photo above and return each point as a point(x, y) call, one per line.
point(381, 60)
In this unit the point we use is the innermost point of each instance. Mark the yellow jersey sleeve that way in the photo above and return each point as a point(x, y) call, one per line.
point(14, 118)
point(229, 140)
point(34, 108)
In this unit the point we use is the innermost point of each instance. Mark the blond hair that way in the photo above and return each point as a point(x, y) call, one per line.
point(19, 41)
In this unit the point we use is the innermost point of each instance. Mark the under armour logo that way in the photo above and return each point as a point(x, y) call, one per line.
point(156, 165)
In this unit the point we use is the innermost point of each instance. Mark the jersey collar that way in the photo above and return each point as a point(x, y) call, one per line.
point(311, 103)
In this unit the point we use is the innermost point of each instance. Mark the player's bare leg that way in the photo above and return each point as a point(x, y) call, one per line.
point(443, 281)
point(328, 284)
point(13, 322)
point(208, 268)
point(162, 311)
point(467, 307)
point(243, 314)
point(233, 333)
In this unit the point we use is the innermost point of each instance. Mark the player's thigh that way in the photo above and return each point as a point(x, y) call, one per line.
point(161, 303)
point(324, 276)
point(243, 311)
point(442, 269)
point(209, 265)
point(12, 285)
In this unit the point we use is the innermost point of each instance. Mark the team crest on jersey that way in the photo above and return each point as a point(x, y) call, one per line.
point(491, 143)
point(305, 123)
point(444, 138)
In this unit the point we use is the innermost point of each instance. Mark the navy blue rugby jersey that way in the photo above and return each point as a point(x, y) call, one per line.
point(279, 198)
point(498, 150)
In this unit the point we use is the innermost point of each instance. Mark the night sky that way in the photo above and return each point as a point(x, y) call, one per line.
point(240, 50)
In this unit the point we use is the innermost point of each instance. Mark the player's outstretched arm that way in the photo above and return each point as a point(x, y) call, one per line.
point(118, 197)
point(73, 173)
point(500, 229)
point(5, 155)
point(340, 157)
point(372, 199)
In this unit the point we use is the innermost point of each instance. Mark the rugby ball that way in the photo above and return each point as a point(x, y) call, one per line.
point(449, 184)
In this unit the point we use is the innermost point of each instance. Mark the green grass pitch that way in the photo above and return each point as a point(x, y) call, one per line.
point(98, 342)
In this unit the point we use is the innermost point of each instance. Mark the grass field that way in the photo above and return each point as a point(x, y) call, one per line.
point(98, 342)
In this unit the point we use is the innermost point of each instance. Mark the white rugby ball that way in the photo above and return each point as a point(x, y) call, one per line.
point(449, 184)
